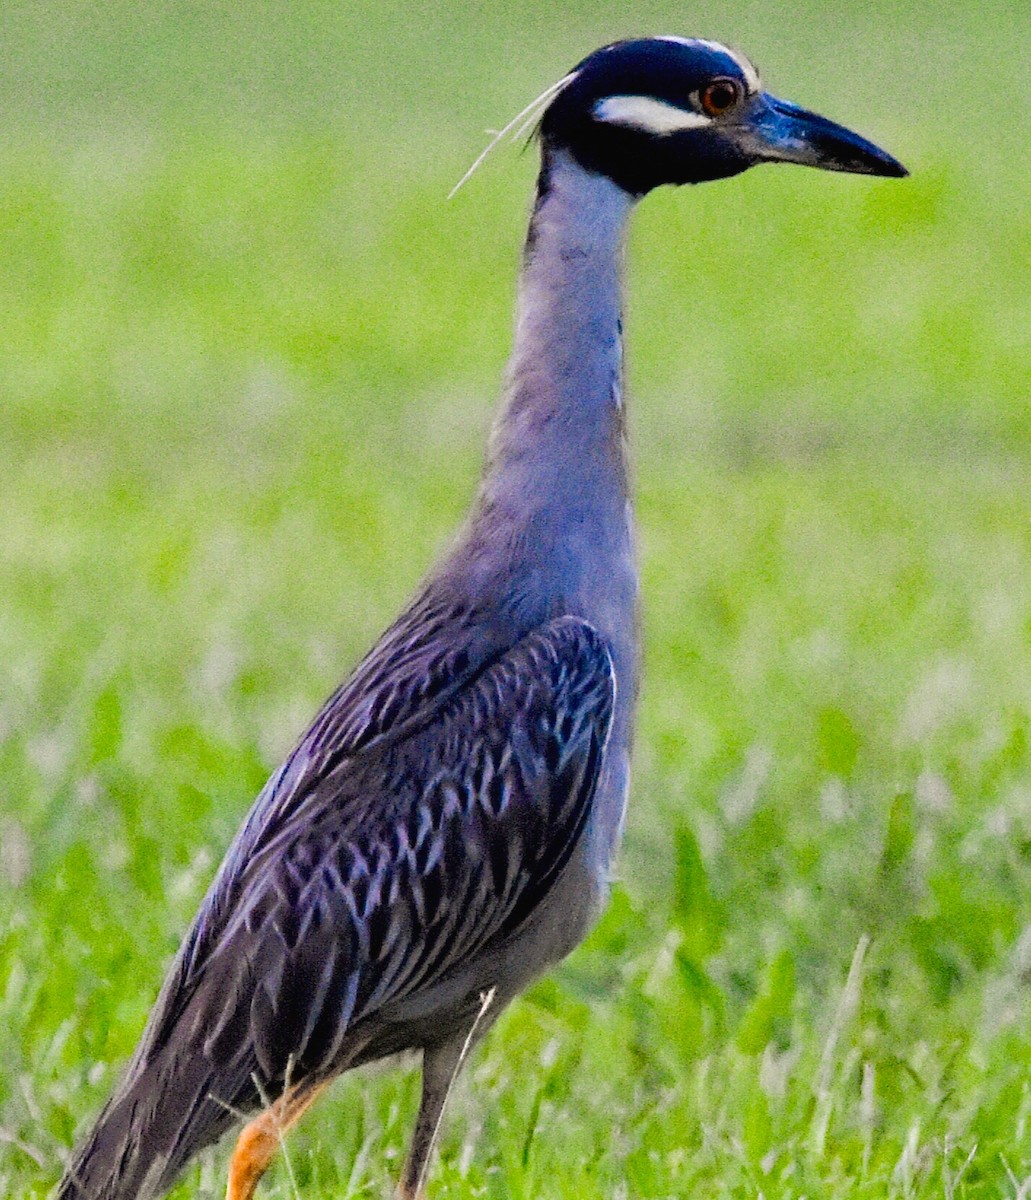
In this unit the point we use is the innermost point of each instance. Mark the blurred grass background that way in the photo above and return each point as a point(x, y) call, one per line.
point(248, 355)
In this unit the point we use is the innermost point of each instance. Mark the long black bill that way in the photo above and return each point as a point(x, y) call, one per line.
point(779, 131)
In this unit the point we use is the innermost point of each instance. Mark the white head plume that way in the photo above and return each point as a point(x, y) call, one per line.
point(521, 123)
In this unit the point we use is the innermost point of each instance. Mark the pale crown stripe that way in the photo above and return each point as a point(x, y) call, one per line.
point(752, 80)
point(648, 114)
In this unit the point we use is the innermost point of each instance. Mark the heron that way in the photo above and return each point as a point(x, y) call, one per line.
point(444, 830)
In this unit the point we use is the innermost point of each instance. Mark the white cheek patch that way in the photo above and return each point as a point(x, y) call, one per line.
point(648, 114)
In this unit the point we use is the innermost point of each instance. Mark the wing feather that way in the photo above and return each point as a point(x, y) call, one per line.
point(398, 862)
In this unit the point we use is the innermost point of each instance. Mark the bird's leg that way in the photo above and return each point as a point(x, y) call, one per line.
point(440, 1067)
point(441, 1064)
point(261, 1138)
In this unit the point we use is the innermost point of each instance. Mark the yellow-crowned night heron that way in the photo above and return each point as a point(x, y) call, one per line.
point(443, 831)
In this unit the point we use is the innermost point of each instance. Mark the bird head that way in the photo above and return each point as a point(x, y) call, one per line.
point(677, 110)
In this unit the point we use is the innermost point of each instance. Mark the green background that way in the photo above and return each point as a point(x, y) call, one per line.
point(248, 355)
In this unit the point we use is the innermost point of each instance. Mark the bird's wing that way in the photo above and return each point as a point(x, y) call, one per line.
point(429, 654)
point(400, 861)
point(425, 658)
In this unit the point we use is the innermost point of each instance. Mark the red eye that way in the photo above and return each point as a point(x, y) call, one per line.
point(720, 96)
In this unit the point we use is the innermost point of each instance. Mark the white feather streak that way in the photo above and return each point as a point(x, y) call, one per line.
point(648, 114)
point(520, 124)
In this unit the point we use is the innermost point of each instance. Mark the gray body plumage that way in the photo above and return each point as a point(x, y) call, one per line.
point(446, 825)
point(445, 828)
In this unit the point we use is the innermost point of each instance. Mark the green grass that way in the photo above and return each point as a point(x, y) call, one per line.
point(247, 359)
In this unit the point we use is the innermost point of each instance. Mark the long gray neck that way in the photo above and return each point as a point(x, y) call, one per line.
point(558, 442)
point(552, 531)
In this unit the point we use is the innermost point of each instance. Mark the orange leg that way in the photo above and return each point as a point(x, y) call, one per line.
point(258, 1141)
